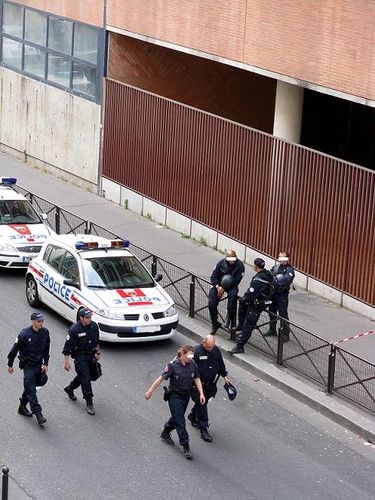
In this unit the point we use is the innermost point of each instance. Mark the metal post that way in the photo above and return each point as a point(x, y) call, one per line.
point(88, 227)
point(57, 220)
point(4, 489)
point(280, 347)
point(331, 369)
point(192, 297)
point(154, 266)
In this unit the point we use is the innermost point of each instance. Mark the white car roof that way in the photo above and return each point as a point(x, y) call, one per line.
point(69, 241)
point(8, 193)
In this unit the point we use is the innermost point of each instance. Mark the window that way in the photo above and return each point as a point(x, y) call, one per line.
point(69, 267)
point(59, 51)
point(54, 257)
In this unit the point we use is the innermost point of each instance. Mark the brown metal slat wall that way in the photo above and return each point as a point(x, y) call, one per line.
point(253, 187)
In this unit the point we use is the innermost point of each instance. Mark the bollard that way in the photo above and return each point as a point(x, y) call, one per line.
point(280, 347)
point(57, 220)
point(154, 264)
point(192, 297)
point(331, 369)
point(4, 490)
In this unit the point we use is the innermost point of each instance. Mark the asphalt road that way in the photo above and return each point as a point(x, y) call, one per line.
point(266, 444)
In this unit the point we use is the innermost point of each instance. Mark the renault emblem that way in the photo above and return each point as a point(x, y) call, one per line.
point(146, 317)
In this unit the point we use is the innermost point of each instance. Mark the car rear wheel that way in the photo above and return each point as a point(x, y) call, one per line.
point(32, 295)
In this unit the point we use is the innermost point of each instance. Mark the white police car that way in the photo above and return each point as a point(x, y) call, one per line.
point(22, 230)
point(85, 271)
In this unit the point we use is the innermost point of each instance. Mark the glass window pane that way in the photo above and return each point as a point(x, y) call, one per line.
point(84, 79)
point(13, 20)
point(59, 70)
point(12, 53)
point(60, 35)
point(85, 43)
point(34, 60)
point(35, 27)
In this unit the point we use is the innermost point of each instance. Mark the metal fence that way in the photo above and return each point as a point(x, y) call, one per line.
point(336, 369)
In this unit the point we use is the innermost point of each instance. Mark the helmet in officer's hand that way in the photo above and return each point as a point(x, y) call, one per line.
point(227, 281)
point(231, 390)
point(41, 379)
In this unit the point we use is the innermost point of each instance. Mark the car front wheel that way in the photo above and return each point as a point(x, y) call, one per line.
point(32, 292)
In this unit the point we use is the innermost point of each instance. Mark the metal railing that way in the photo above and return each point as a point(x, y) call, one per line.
point(336, 369)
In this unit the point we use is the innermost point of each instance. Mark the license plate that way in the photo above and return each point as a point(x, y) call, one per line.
point(26, 259)
point(147, 329)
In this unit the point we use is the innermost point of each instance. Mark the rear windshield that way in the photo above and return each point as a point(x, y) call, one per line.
point(115, 272)
point(18, 212)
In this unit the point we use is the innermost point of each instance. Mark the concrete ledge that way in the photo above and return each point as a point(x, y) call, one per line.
point(300, 280)
point(111, 191)
point(131, 200)
point(178, 222)
point(156, 211)
point(324, 291)
point(200, 231)
point(358, 307)
point(332, 406)
point(224, 243)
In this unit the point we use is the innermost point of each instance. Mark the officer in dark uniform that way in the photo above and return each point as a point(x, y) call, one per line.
point(252, 304)
point(210, 364)
point(283, 274)
point(82, 344)
point(32, 344)
point(229, 266)
point(181, 372)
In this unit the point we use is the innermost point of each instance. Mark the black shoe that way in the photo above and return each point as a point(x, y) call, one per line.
point(238, 349)
point(22, 410)
point(215, 328)
point(238, 328)
point(70, 393)
point(205, 435)
point(166, 437)
point(187, 452)
point(270, 333)
point(192, 420)
point(90, 407)
point(41, 420)
point(285, 338)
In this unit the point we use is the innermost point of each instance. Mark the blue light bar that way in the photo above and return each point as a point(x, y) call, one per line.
point(8, 181)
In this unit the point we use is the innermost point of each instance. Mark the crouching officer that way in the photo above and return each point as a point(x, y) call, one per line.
point(181, 372)
point(82, 344)
point(32, 344)
point(210, 365)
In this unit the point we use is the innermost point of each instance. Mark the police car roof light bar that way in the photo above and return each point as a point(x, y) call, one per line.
point(119, 243)
point(8, 181)
point(86, 245)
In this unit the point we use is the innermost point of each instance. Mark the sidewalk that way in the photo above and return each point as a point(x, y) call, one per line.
point(306, 310)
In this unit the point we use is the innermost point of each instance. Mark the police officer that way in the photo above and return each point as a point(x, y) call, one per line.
point(32, 344)
point(210, 364)
point(229, 266)
point(252, 304)
point(181, 372)
point(283, 274)
point(82, 344)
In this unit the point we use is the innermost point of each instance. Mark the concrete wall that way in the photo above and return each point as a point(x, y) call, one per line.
point(209, 237)
point(59, 131)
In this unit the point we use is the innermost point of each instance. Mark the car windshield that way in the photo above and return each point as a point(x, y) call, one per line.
point(18, 212)
point(115, 272)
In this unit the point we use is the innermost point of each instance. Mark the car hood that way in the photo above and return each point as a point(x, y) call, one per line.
point(133, 298)
point(24, 233)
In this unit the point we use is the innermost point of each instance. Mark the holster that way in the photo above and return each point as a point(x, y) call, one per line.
point(167, 393)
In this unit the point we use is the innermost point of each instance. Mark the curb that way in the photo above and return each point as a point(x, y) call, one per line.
point(332, 406)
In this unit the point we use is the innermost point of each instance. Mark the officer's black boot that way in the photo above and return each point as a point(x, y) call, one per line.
point(206, 436)
point(187, 452)
point(270, 333)
point(22, 410)
point(192, 419)
point(41, 420)
point(166, 437)
point(238, 349)
point(90, 407)
point(215, 327)
point(70, 393)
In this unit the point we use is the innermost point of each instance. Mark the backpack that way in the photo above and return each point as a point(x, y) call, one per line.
point(270, 292)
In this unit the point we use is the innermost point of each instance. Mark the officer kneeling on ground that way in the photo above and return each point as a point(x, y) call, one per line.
point(33, 345)
point(82, 344)
point(181, 372)
point(210, 365)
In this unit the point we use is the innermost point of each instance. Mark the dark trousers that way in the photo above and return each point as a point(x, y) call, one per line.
point(247, 318)
point(29, 394)
point(199, 412)
point(177, 405)
point(83, 377)
point(213, 302)
point(280, 306)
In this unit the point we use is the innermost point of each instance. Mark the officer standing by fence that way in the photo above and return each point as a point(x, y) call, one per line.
point(283, 274)
point(82, 344)
point(32, 344)
point(181, 372)
point(210, 364)
point(252, 304)
point(226, 277)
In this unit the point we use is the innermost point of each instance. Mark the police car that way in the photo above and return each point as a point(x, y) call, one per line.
point(22, 230)
point(84, 271)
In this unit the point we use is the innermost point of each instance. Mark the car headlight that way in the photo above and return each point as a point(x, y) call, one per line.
point(109, 313)
point(5, 247)
point(171, 311)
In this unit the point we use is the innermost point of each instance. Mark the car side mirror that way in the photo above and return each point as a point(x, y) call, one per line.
point(44, 216)
point(158, 277)
point(73, 283)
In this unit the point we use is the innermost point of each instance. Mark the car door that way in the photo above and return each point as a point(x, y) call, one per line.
point(68, 277)
point(52, 259)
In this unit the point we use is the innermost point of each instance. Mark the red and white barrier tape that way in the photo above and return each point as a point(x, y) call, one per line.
point(354, 337)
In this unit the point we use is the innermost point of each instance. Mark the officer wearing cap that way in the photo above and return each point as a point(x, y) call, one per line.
point(181, 373)
point(32, 346)
point(252, 304)
point(283, 274)
point(229, 266)
point(82, 344)
point(211, 365)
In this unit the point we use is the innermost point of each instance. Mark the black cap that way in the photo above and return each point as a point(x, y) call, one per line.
point(37, 316)
point(259, 262)
point(231, 390)
point(85, 313)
